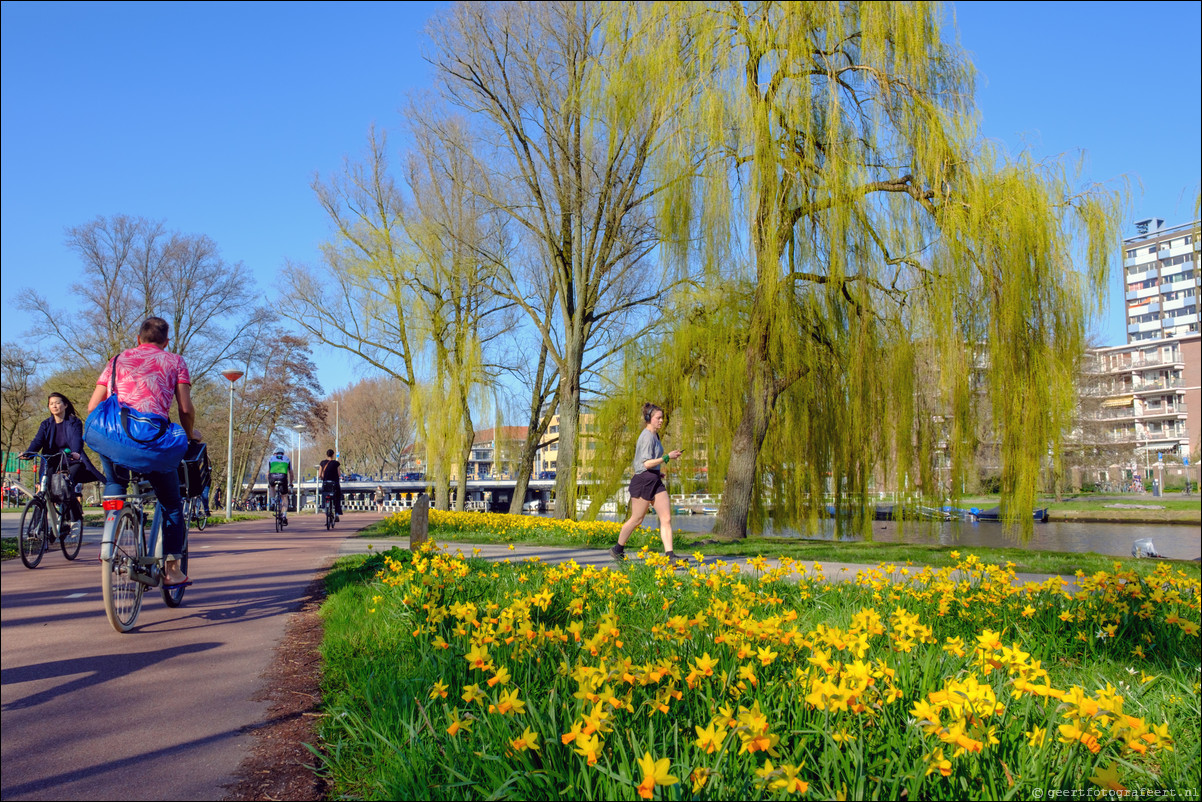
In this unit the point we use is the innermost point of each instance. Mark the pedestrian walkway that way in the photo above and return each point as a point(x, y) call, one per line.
point(518, 552)
point(166, 711)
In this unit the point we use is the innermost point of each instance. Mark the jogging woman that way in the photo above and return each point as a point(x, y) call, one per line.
point(647, 485)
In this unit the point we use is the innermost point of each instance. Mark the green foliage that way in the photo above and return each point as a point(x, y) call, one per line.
point(443, 672)
point(874, 279)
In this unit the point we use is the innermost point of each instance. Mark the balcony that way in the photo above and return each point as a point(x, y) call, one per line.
point(1164, 411)
point(1181, 303)
point(1180, 320)
point(1158, 384)
point(1178, 286)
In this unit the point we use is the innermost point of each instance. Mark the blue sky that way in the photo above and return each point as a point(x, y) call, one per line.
point(215, 117)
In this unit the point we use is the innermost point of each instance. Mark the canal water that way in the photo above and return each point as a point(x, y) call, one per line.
point(1175, 542)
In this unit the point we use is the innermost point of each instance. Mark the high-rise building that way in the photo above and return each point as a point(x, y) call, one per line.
point(1151, 387)
point(1161, 280)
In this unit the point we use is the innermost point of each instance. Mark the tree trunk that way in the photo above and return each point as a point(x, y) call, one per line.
point(569, 425)
point(737, 495)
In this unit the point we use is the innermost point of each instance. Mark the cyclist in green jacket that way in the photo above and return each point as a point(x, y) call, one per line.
point(279, 479)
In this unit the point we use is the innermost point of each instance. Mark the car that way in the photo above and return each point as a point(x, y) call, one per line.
point(546, 475)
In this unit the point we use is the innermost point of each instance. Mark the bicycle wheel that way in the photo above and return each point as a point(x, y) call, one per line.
point(175, 596)
point(330, 516)
point(71, 540)
point(123, 593)
point(33, 532)
point(202, 520)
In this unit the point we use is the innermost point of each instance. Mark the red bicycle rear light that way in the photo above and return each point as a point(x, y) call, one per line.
point(113, 503)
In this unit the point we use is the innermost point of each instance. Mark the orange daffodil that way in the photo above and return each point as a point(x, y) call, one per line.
point(655, 772)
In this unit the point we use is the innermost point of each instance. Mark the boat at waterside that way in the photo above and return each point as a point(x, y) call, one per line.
point(994, 515)
point(890, 512)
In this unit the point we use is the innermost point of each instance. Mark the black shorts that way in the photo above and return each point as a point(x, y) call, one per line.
point(646, 485)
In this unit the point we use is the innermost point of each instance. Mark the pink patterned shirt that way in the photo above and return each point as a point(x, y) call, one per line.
point(146, 378)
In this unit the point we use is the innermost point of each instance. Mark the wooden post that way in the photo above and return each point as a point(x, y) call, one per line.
point(419, 521)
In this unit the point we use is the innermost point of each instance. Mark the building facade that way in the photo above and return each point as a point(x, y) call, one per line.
point(1160, 272)
point(1149, 388)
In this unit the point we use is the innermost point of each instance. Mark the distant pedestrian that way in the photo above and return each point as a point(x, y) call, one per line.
point(647, 487)
point(379, 498)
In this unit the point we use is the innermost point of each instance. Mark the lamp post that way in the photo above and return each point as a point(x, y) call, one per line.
point(299, 475)
point(337, 450)
point(233, 376)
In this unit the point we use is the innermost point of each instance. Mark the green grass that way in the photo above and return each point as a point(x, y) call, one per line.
point(399, 678)
point(1024, 561)
point(9, 548)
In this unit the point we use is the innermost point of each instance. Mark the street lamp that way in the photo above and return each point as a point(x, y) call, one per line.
point(299, 475)
point(337, 450)
point(233, 376)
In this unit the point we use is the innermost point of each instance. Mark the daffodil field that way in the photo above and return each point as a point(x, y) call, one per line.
point(492, 527)
point(449, 677)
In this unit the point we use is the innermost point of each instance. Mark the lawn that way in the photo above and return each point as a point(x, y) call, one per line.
point(454, 678)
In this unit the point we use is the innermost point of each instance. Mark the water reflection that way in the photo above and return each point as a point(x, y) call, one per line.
point(1173, 541)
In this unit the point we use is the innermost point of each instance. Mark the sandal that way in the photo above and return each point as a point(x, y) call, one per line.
point(173, 585)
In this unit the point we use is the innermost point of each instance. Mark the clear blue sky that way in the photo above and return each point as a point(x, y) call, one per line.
point(215, 117)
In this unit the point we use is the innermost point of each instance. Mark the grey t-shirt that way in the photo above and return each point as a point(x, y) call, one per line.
point(647, 448)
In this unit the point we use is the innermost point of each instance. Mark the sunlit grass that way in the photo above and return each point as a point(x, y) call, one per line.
point(456, 678)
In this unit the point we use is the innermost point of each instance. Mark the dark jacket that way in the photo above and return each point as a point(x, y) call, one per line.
point(43, 443)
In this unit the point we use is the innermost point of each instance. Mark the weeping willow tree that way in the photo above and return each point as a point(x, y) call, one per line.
point(869, 261)
point(409, 287)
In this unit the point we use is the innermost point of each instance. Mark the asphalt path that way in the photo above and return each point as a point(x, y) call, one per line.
point(164, 711)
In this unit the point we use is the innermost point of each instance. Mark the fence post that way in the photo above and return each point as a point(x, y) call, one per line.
point(419, 521)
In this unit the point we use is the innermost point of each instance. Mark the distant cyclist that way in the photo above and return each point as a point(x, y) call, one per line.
point(279, 479)
point(330, 473)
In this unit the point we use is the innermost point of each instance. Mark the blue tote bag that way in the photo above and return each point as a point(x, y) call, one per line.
point(141, 441)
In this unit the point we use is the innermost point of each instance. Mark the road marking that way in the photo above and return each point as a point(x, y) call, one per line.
point(75, 595)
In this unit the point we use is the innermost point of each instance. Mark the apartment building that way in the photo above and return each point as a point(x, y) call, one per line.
point(1151, 396)
point(1161, 280)
point(546, 459)
point(1150, 387)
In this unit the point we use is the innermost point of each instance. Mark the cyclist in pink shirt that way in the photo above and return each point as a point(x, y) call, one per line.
point(148, 378)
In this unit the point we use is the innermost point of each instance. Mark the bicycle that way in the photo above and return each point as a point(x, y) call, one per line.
point(278, 507)
point(193, 479)
point(194, 513)
point(131, 559)
point(44, 518)
point(327, 498)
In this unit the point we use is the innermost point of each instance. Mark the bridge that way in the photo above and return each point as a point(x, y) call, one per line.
point(488, 494)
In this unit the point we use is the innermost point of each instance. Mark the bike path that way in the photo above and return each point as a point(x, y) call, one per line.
point(829, 571)
point(164, 711)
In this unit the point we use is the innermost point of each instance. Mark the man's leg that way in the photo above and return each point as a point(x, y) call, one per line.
point(171, 507)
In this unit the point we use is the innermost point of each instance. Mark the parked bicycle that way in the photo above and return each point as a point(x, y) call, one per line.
point(44, 519)
point(132, 557)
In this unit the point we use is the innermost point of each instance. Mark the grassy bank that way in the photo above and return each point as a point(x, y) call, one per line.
point(451, 527)
point(448, 678)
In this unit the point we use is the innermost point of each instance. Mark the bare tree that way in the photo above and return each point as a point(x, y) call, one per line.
point(134, 268)
point(568, 94)
point(18, 396)
point(376, 424)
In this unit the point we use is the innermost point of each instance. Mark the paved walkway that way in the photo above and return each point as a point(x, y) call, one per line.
point(833, 571)
point(161, 712)
point(85, 710)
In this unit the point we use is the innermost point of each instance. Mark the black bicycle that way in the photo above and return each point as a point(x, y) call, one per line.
point(279, 505)
point(45, 519)
point(327, 498)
